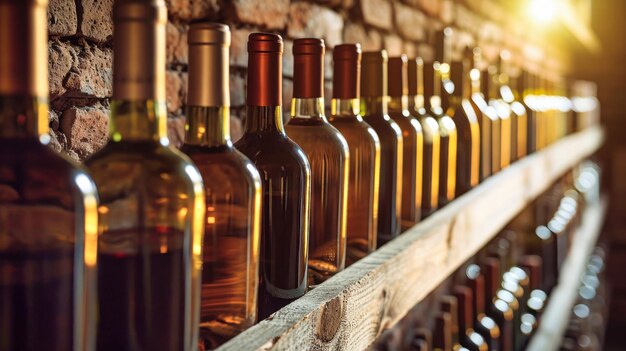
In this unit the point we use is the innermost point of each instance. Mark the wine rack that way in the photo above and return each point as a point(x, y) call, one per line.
point(355, 306)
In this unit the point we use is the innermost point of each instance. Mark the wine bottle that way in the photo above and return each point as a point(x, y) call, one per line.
point(472, 342)
point(442, 333)
point(374, 100)
point(152, 201)
point(436, 77)
point(432, 140)
point(48, 203)
point(487, 116)
point(364, 147)
point(412, 141)
point(468, 129)
point(230, 249)
point(504, 113)
point(521, 115)
point(328, 155)
point(469, 338)
point(505, 98)
point(483, 323)
point(488, 91)
point(285, 179)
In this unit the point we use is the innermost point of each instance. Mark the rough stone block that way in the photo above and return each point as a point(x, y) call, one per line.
point(377, 13)
point(97, 23)
point(270, 14)
point(409, 22)
point(92, 73)
point(356, 33)
point(62, 18)
point(61, 57)
point(86, 129)
point(310, 20)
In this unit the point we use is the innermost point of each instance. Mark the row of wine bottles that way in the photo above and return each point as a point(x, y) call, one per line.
point(496, 300)
point(148, 245)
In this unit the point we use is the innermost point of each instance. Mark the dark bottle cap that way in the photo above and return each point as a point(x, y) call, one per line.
point(442, 336)
point(443, 45)
point(491, 266)
point(476, 282)
point(415, 69)
point(459, 75)
point(374, 74)
point(464, 298)
point(533, 266)
point(347, 71)
point(398, 76)
point(449, 304)
point(308, 68)
point(264, 69)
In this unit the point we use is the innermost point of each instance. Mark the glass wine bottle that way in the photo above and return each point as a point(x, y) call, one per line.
point(412, 141)
point(285, 179)
point(468, 129)
point(472, 342)
point(374, 100)
point(152, 201)
point(483, 323)
point(488, 91)
point(518, 108)
point(230, 249)
point(504, 113)
point(432, 140)
point(328, 155)
point(437, 83)
point(364, 146)
point(487, 116)
point(48, 203)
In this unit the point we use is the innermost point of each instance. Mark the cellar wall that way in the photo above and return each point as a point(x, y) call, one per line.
point(81, 48)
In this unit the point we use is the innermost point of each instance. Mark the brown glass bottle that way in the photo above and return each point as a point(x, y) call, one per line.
point(438, 87)
point(364, 146)
point(468, 129)
point(442, 332)
point(285, 179)
point(488, 91)
point(447, 132)
point(412, 141)
point(374, 110)
point(230, 249)
point(486, 115)
point(432, 140)
point(152, 201)
point(521, 117)
point(327, 152)
point(48, 203)
point(470, 338)
point(504, 113)
point(526, 97)
point(483, 323)
point(472, 342)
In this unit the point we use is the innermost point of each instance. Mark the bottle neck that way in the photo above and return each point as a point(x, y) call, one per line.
point(374, 105)
point(264, 119)
point(24, 117)
point(141, 120)
point(398, 104)
point(344, 107)
point(207, 126)
point(308, 108)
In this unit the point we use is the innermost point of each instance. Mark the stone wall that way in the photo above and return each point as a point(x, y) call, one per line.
point(81, 48)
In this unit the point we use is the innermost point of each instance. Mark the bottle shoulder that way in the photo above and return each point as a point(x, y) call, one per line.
point(226, 164)
point(265, 150)
point(149, 165)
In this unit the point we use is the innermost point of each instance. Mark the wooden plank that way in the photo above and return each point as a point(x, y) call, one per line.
point(555, 319)
point(351, 309)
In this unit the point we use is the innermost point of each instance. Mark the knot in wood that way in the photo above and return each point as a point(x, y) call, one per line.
point(330, 319)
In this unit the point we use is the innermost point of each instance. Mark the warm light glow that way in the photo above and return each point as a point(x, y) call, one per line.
point(210, 220)
point(543, 11)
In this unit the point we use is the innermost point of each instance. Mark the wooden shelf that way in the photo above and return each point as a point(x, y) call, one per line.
point(555, 319)
point(352, 308)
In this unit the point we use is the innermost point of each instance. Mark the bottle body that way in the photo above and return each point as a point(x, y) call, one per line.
point(447, 168)
point(485, 125)
point(431, 164)
point(48, 297)
point(231, 239)
point(391, 157)
point(327, 153)
point(468, 149)
point(150, 216)
point(363, 185)
point(285, 182)
point(412, 161)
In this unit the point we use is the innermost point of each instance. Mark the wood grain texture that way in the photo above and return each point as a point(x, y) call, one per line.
point(555, 319)
point(350, 310)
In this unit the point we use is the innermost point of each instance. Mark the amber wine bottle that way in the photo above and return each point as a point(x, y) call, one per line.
point(230, 249)
point(364, 146)
point(48, 203)
point(504, 114)
point(488, 91)
point(468, 129)
point(374, 100)
point(521, 115)
point(328, 155)
point(285, 178)
point(487, 116)
point(152, 201)
point(412, 141)
point(432, 140)
point(483, 324)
